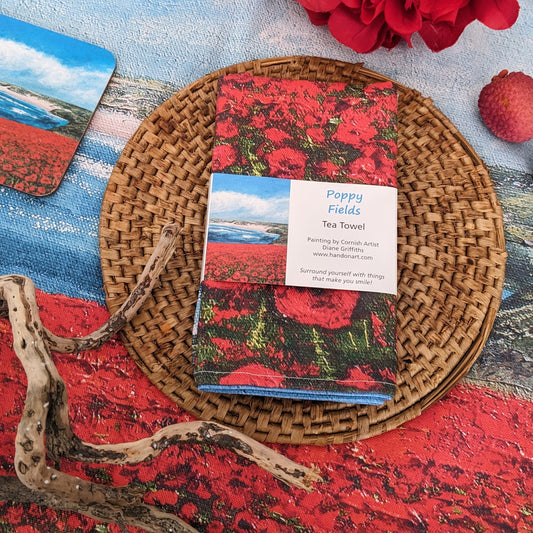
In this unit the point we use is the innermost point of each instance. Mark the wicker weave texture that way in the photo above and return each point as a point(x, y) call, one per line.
point(451, 258)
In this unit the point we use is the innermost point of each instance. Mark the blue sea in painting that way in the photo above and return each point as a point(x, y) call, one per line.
point(235, 234)
point(15, 109)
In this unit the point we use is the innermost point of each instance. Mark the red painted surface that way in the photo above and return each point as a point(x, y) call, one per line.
point(463, 465)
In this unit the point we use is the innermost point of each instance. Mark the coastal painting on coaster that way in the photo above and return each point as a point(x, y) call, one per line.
point(50, 86)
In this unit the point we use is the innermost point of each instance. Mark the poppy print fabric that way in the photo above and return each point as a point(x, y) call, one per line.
point(297, 342)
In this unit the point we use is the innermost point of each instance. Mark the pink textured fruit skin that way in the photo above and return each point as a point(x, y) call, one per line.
point(506, 106)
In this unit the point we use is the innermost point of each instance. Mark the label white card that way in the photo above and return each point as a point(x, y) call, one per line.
point(342, 236)
point(338, 235)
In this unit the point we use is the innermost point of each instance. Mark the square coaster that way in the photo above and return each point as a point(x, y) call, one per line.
point(50, 86)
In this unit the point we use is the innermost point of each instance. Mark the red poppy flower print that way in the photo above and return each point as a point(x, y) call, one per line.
point(294, 128)
point(224, 156)
point(253, 263)
point(361, 378)
point(317, 307)
point(33, 160)
point(355, 128)
point(378, 328)
point(373, 168)
point(276, 137)
point(226, 129)
point(286, 163)
point(252, 329)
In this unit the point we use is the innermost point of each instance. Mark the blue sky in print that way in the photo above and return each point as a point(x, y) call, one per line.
point(53, 64)
point(252, 198)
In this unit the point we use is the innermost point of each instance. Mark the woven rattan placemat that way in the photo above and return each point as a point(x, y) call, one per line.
point(451, 258)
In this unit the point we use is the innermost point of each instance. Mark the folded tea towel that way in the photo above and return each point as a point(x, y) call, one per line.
point(268, 338)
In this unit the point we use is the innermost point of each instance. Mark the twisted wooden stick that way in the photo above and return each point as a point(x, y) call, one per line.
point(45, 417)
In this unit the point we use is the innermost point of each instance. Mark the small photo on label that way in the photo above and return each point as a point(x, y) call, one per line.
point(247, 229)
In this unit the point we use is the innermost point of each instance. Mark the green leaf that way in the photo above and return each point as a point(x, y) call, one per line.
point(322, 360)
point(258, 340)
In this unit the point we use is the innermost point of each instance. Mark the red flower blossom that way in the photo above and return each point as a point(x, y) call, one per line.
point(224, 155)
point(320, 5)
point(326, 169)
point(286, 163)
point(188, 510)
point(356, 127)
point(442, 34)
point(230, 351)
point(496, 14)
point(167, 497)
point(226, 129)
point(387, 375)
point(276, 135)
point(365, 25)
point(316, 307)
point(403, 18)
point(346, 26)
point(258, 121)
point(373, 168)
point(316, 134)
point(308, 370)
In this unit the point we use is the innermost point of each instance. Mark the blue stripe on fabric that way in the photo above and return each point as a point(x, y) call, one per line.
point(363, 398)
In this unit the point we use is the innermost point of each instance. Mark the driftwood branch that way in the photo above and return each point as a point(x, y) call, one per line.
point(45, 430)
point(12, 489)
point(150, 275)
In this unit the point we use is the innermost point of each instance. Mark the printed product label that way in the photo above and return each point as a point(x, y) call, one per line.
point(302, 233)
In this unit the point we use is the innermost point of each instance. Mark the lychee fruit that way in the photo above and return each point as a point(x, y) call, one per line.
point(506, 106)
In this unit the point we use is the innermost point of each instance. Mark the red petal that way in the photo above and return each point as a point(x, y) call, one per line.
point(402, 20)
point(319, 6)
point(318, 19)
point(370, 10)
point(346, 26)
point(439, 11)
point(496, 14)
point(390, 40)
point(442, 34)
point(354, 4)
